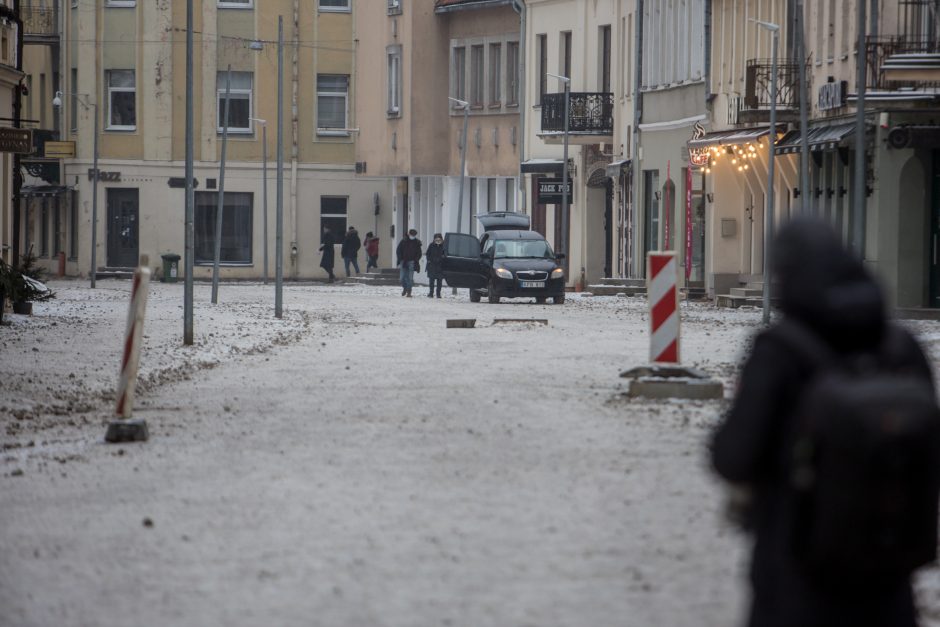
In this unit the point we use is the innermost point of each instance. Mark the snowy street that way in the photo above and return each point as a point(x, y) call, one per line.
point(358, 463)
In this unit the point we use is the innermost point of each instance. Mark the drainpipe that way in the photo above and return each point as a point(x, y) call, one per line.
point(519, 7)
point(295, 77)
point(636, 169)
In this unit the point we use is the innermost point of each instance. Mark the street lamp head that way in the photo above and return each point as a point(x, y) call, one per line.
point(57, 100)
point(563, 79)
point(461, 103)
point(768, 25)
point(260, 121)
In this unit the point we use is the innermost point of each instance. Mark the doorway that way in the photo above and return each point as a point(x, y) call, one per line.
point(934, 250)
point(123, 224)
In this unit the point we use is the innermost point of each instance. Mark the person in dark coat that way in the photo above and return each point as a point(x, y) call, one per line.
point(829, 291)
point(435, 262)
point(327, 241)
point(350, 249)
point(371, 244)
point(408, 254)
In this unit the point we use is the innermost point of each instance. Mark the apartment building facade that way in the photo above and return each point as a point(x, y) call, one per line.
point(124, 61)
point(436, 55)
point(14, 141)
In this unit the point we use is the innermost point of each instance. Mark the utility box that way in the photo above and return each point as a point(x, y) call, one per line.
point(171, 267)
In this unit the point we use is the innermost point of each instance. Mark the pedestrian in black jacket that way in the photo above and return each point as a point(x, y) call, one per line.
point(409, 254)
point(327, 242)
point(350, 249)
point(829, 291)
point(435, 263)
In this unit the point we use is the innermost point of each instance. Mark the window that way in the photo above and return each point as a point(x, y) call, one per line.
point(473, 205)
point(460, 73)
point(542, 78)
point(491, 195)
point(394, 7)
point(122, 100)
point(235, 4)
point(73, 225)
point(476, 76)
point(42, 101)
point(236, 228)
point(512, 73)
point(73, 105)
point(565, 62)
point(239, 110)
point(496, 78)
point(605, 58)
point(510, 195)
point(332, 103)
point(335, 5)
point(333, 215)
point(393, 54)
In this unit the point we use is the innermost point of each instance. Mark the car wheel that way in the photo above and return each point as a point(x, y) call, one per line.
point(491, 295)
point(540, 300)
point(474, 296)
point(559, 300)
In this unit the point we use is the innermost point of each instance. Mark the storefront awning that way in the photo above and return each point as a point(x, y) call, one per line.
point(616, 168)
point(729, 138)
point(38, 191)
point(819, 138)
point(541, 166)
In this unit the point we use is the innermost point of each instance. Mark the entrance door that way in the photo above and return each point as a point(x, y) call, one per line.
point(123, 213)
point(934, 250)
point(609, 229)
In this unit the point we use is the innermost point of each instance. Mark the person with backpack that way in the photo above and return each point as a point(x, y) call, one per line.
point(371, 245)
point(834, 434)
point(350, 249)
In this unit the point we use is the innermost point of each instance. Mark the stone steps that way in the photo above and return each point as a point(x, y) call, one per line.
point(614, 290)
point(385, 276)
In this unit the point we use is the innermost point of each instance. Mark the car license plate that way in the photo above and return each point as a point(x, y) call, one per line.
point(533, 283)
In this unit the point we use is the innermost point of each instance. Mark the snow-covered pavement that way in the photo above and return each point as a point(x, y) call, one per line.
point(357, 463)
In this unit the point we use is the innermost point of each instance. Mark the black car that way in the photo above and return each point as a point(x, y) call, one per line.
point(505, 262)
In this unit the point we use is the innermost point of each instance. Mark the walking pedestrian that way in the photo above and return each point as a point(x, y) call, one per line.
point(371, 245)
point(435, 261)
point(814, 562)
point(409, 256)
point(327, 241)
point(350, 249)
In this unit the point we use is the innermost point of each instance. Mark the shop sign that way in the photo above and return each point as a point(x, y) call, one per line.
point(832, 95)
point(550, 191)
point(104, 177)
point(16, 140)
point(59, 150)
point(698, 156)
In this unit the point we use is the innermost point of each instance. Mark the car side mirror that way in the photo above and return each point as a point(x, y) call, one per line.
point(559, 256)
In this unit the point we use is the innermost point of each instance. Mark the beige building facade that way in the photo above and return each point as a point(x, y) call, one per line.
point(11, 86)
point(124, 61)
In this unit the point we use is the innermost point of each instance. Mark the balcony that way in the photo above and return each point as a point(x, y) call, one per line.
point(40, 23)
point(903, 64)
point(755, 106)
point(590, 114)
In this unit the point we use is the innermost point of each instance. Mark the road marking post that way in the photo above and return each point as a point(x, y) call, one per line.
point(125, 430)
point(662, 287)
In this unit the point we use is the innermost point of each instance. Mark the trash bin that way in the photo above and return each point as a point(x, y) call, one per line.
point(171, 264)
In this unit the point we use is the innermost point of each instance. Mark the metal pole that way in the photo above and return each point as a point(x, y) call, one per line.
point(94, 202)
point(220, 206)
point(858, 208)
point(564, 182)
point(190, 197)
point(264, 188)
point(279, 225)
point(463, 167)
point(769, 215)
point(806, 201)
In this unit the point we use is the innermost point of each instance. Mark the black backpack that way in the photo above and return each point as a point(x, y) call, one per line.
point(865, 463)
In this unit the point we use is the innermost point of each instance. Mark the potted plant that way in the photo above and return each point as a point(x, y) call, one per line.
point(22, 285)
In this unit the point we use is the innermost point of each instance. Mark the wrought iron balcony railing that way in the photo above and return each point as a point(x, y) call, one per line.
point(880, 49)
point(589, 113)
point(39, 20)
point(757, 85)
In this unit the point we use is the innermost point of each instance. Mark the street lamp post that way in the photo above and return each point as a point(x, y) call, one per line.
point(57, 102)
point(771, 140)
point(264, 188)
point(463, 158)
point(564, 168)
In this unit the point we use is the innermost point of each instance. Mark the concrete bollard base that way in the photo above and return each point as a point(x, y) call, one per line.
point(127, 431)
point(520, 320)
point(461, 323)
point(672, 382)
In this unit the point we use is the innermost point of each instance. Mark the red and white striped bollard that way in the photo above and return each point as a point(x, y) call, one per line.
point(663, 293)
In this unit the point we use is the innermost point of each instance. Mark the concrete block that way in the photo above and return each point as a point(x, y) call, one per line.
point(127, 431)
point(461, 323)
point(672, 382)
point(520, 320)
